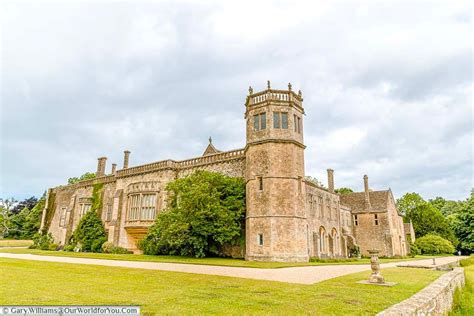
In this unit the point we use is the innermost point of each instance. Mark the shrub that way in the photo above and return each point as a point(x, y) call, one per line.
point(69, 248)
point(53, 247)
point(414, 250)
point(206, 212)
point(42, 241)
point(89, 234)
point(108, 247)
point(433, 244)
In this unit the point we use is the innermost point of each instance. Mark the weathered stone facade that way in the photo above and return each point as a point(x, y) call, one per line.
point(288, 217)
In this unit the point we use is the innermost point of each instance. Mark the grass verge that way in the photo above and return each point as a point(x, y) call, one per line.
point(464, 299)
point(160, 292)
point(15, 243)
point(204, 261)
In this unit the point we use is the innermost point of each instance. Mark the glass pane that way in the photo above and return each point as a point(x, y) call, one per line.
point(256, 122)
point(276, 119)
point(284, 120)
point(263, 120)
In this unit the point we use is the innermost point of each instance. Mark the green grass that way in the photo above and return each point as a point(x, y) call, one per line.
point(464, 299)
point(15, 243)
point(27, 282)
point(204, 261)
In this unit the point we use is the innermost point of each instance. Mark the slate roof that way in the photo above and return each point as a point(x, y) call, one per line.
point(356, 200)
point(210, 149)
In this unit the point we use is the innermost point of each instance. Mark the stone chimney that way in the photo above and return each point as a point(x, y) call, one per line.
point(126, 156)
point(101, 161)
point(114, 168)
point(366, 190)
point(330, 180)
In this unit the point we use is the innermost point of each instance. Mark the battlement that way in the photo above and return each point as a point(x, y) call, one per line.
point(274, 96)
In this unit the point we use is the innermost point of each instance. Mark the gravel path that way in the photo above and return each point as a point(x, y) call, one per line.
point(300, 275)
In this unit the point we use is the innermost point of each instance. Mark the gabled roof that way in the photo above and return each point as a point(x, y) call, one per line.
point(356, 201)
point(210, 149)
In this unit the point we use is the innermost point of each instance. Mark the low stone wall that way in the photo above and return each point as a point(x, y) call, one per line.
point(435, 299)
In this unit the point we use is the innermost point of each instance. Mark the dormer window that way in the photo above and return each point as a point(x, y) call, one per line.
point(260, 121)
point(280, 120)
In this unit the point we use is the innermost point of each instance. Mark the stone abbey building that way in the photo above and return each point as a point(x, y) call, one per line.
point(288, 217)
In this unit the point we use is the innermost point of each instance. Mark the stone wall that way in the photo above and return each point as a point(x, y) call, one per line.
point(435, 299)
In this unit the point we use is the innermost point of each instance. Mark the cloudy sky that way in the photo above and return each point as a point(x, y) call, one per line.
point(387, 86)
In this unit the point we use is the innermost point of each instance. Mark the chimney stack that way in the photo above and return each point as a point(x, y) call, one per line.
point(114, 168)
point(101, 166)
point(331, 180)
point(126, 155)
point(366, 190)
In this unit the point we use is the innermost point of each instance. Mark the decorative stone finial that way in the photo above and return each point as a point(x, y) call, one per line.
point(289, 86)
point(210, 140)
point(250, 90)
point(300, 94)
point(268, 84)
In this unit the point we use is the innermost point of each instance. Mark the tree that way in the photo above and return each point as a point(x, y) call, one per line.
point(409, 202)
point(462, 222)
point(85, 176)
point(425, 217)
point(344, 190)
point(206, 211)
point(28, 203)
point(6, 206)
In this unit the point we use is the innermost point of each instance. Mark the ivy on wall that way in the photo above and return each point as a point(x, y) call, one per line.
point(50, 208)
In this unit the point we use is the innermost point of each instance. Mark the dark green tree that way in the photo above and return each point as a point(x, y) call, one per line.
point(206, 211)
point(462, 222)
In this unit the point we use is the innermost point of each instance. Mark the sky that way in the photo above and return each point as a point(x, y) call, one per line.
point(387, 86)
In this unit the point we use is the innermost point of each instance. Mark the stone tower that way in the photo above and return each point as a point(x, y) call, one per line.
point(276, 224)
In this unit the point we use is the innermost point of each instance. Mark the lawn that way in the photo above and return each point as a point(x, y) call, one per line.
point(192, 260)
point(464, 300)
point(15, 243)
point(159, 292)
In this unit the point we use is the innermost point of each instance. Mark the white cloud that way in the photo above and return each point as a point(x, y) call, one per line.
point(387, 86)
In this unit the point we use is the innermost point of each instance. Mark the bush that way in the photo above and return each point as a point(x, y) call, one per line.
point(42, 241)
point(108, 247)
point(89, 234)
point(53, 247)
point(433, 244)
point(205, 213)
point(69, 248)
point(414, 250)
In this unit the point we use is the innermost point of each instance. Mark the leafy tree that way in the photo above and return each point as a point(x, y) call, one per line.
point(344, 190)
point(462, 222)
point(206, 211)
point(425, 217)
point(431, 244)
point(315, 181)
point(409, 202)
point(26, 223)
point(6, 206)
point(85, 176)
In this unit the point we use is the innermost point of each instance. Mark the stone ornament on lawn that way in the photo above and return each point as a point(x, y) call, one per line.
point(376, 276)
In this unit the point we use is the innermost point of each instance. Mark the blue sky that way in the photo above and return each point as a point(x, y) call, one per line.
point(387, 86)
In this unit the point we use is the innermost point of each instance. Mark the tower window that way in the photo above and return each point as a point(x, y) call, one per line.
point(297, 121)
point(356, 222)
point(260, 239)
point(280, 120)
point(376, 219)
point(260, 121)
point(260, 183)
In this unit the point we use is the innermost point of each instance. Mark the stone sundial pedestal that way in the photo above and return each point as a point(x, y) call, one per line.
point(376, 277)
